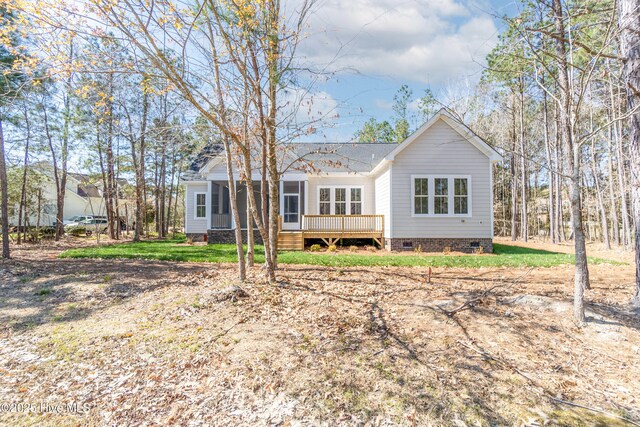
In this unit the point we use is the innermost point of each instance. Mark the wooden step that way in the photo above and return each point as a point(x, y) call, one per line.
point(290, 241)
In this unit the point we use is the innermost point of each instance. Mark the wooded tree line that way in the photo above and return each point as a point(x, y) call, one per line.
point(232, 63)
point(558, 98)
point(117, 126)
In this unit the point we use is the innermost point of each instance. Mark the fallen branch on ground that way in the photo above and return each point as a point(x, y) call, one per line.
point(596, 410)
point(470, 303)
point(474, 301)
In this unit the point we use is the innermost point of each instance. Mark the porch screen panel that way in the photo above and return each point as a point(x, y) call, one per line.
point(225, 200)
point(291, 207)
point(215, 199)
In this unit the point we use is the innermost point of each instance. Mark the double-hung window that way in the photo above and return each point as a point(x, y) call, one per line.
point(356, 201)
point(325, 201)
point(340, 201)
point(421, 196)
point(200, 205)
point(441, 195)
point(461, 196)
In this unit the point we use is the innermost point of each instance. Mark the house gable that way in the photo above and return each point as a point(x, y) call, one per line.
point(440, 151)
point(460, 128)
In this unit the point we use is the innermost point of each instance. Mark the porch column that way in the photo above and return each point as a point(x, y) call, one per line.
point(207, 204)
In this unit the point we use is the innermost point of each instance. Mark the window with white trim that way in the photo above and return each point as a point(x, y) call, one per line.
point(200, 205)
point(441, 196)
point(421, 196)
point(461, 196)
point(356, 201)
point(438, 195)
point(325, 201)
point(340, 201)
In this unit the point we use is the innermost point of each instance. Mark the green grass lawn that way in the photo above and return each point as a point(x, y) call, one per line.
point(176, 250)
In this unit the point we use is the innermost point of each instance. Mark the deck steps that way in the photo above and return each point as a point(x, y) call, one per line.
point(290, 241)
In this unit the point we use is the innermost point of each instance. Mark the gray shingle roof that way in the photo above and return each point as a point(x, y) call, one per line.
point(309, 157)
point(207, 153)
point(335, 157)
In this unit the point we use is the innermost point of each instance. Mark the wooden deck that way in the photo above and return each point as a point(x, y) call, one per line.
point(331, 228)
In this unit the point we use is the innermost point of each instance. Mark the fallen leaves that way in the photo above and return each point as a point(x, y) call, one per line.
point(164, 343)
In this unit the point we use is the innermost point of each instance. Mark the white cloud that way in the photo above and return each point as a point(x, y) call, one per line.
point(427, 41)
point(301, 107)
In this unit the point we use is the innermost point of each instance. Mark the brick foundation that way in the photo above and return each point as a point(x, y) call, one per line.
point(229, 236)
point(439, 244)
point(196, 237)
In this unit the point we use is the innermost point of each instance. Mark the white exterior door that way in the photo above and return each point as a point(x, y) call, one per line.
point(291, 212)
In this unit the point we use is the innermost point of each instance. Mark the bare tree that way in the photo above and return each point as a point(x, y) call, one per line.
point(629, 23)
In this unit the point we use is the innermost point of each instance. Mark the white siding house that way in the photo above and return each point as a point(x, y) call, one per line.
point(83, 196)
point(433, 191)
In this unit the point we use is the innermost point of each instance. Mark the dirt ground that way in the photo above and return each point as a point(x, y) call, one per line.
point(157, 343)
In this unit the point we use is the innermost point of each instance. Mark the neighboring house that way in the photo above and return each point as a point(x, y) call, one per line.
point(82, 197)
point(433, 191)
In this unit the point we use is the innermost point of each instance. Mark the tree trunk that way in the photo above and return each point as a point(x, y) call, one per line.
point(524, 218)
point(64, 154)
point(572, 157)
point(550, 169)
point(622, 188)
point(615, 224)
point(629, 22)
point(242, 272)
point(110, 190)
point(558, 203)
point(4, 199)
point(250, 240)
point(23, 191)
point(175, 206)
point(600, 199)
point(514, 182)
point(171, 190)
point(38, 214)
point(138, 164)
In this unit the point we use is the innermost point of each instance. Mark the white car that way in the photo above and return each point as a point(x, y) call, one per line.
point(89, 226)
point(74, 220)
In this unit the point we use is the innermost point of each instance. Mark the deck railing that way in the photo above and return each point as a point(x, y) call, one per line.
point(343, 223)
point(220, 221)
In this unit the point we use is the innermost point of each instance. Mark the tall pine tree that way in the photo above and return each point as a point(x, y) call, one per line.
point(10, 81)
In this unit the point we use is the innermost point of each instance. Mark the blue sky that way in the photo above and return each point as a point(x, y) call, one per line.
point(375, 46)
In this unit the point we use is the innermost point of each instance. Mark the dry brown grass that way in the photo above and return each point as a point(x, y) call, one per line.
point(150, 343)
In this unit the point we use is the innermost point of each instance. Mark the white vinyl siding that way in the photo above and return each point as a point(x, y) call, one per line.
point(441, 152)
point(383, 199)
point(193, 224)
